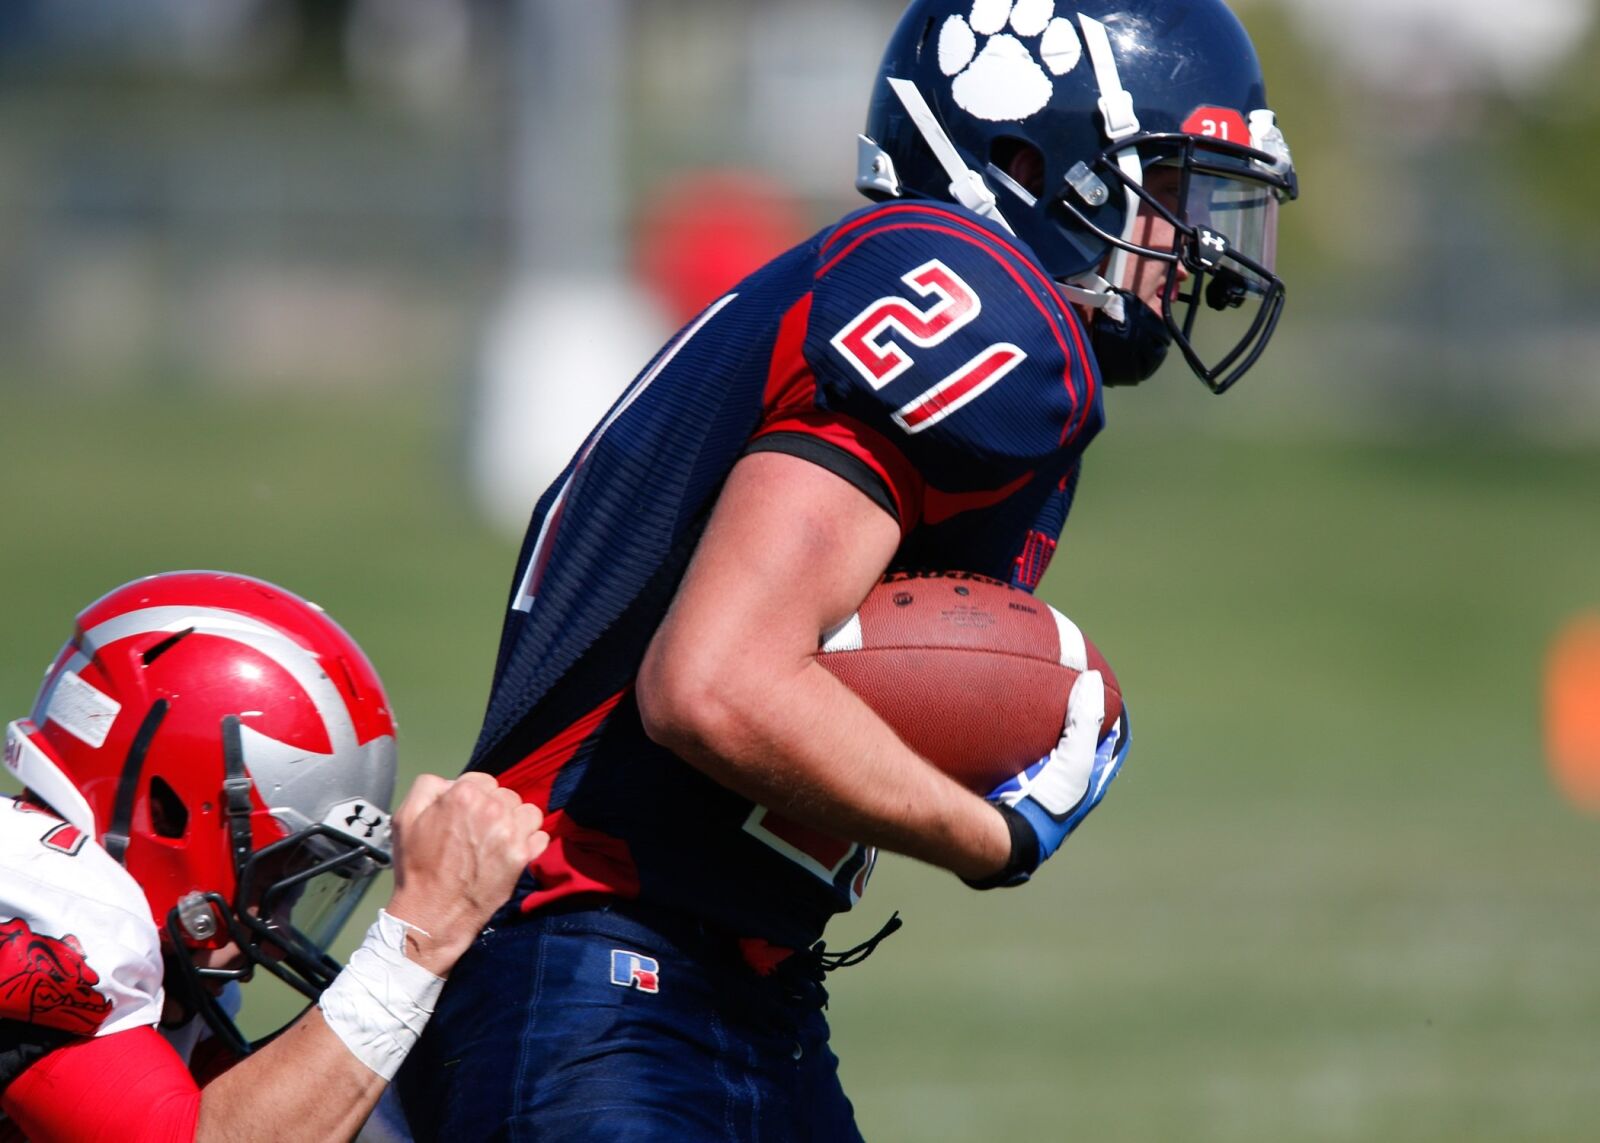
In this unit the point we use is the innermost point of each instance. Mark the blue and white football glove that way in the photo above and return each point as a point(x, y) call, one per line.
point(1044, 804)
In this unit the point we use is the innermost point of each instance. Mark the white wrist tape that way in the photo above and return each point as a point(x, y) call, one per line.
point(380, 1003)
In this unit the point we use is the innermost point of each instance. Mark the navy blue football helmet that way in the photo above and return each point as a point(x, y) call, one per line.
point(1055, 119)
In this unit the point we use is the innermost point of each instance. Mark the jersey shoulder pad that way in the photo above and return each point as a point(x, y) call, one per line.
point(79, 951)
point(942, 333)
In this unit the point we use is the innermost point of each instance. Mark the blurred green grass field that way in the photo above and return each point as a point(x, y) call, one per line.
point(1332, 897)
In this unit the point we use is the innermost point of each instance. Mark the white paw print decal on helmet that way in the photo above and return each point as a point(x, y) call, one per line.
point(1007, 79)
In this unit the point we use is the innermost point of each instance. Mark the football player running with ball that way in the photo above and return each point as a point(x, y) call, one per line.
point(1060, 191)
point(208, 771)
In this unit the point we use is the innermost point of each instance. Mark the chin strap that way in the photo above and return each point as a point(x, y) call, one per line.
point(966, 185)
point(1093, 292)
point(1119, 121)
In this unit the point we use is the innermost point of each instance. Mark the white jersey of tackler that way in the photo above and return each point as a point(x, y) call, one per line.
point(79, 950)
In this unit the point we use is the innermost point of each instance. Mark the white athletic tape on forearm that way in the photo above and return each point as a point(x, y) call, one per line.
point(380, 1003)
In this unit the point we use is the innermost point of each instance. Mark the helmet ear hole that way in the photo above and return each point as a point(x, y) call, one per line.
point(169, 817)
point(1021, 161)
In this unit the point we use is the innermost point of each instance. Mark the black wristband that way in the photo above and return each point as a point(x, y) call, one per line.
point(1024, 857)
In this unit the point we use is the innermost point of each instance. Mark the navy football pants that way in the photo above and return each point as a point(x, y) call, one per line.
point(533, 1040)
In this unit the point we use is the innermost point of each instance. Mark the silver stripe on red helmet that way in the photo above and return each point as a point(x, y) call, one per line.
point(297, 794)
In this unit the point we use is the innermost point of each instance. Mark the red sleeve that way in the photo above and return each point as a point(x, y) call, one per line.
point(871, 460)
point(128, 1087)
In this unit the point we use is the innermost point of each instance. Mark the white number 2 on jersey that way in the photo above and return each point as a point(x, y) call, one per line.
point(870, 342)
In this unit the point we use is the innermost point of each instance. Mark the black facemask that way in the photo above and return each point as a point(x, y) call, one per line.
point(1129, 350)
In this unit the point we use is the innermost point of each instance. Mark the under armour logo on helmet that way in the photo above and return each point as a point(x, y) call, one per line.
point(1213, 247)
point(359, 823)
point(361, 819)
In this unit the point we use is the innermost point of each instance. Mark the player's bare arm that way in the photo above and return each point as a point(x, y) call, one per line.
point(731, 683)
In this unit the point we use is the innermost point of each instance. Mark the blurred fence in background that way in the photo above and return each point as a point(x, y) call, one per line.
point(296, 192)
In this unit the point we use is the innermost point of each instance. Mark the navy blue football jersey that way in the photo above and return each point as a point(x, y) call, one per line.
point(913, 349)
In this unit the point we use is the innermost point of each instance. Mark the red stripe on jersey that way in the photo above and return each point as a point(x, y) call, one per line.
point(762, 955)
point(1035, 558)
point(533, 775)
point(937, 506)
point(960, 386)
point(578, 860)
point(1044, 280)
point(874, 449)
point(790, 382)
point(961, 220)
point(581, 860)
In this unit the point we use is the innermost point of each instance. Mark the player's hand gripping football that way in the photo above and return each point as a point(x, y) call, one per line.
point(459, 848)
point(1044, 803)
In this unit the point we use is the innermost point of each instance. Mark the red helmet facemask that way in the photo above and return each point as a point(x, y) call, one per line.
point(233, 748)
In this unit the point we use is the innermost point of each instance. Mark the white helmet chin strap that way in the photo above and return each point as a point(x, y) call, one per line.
point(966, 185)
point(1091, 291)
point(1117, 114)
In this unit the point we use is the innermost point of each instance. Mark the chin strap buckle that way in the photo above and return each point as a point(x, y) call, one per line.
point(1093, 292)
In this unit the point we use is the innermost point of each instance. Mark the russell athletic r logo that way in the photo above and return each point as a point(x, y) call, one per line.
point(635, 970)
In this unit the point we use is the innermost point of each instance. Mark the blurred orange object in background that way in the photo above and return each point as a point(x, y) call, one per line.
point(1572, 711)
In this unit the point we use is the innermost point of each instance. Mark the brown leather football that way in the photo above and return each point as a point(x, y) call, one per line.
point(972, 673)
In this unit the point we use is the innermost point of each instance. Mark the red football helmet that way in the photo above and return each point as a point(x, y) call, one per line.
point(233, 748)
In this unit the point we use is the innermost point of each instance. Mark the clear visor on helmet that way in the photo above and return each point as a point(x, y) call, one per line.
point(309, 888)
point(1245, 213)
